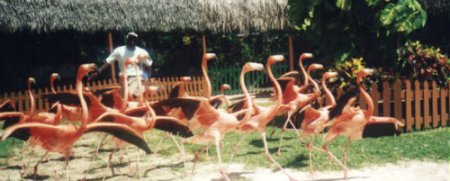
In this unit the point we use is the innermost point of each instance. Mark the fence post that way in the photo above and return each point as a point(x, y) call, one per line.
point(434, 104)
point(408, 97)
point(426, 104)
point(375, 97)
point(20, 101)
point(417, 105)
point(387, 99)
point(444, 110)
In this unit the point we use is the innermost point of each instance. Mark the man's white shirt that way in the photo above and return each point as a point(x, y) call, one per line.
point(120, 54)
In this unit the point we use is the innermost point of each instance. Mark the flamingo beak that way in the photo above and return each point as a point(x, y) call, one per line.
point(210, 56)
point(255, 66)
point(31, 80)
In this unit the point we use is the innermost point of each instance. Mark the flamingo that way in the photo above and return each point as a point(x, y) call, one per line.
point(217, 100)
point(351, 122)
point(210, 123)
point(178, 90)
point(316, 119)
point(61, 138)
point(300, 100)
point(259, 121)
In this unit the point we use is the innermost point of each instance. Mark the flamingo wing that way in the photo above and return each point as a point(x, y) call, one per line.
point(6, 106)
point(188, 105)
point(216, 102)
point(286, 83)
point(66, 98)
point(239, 105)
point(108, 99)
point(121, 132)
point(137, 112)
point(343, 100)
point(11, 118)
point(172, 126)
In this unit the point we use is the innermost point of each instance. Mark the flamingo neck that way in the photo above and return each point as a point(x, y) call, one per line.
point(328, 94)
point(276, 85)
point(139, 81)
point(58, 115)
point(366, 96)
point(315, 85)
point(302, 69)
point(32, 103)
point(205, 75)
point(84, 108)
point(249, 111)
point(125, 91)
point(52, 86)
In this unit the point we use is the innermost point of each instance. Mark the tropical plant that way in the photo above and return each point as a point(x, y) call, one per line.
point(422, 62)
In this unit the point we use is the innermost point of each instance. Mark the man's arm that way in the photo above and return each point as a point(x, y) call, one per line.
point(100, 70)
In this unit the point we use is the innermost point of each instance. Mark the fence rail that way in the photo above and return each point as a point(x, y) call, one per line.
point(418, 105)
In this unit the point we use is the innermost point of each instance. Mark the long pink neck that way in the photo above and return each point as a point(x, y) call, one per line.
point(366, 96)
point(328, 94)
point(32, 103)
point(52, 85)
point(125, 90)
point(302, 69)
point(139, 81)
point(249, 111)
point(84, 108)
point(314, 83)
point(277, 88)
point(205, 75)
point(58, 115)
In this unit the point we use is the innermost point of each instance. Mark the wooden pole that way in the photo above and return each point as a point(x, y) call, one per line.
point(291, 53)
point(204, 43)
point(113, 68)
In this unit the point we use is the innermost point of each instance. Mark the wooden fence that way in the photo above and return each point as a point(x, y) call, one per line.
point(418, 105)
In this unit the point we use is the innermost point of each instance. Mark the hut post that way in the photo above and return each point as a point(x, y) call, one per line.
point(291, 53)
point(110, 45)
point(204, 43)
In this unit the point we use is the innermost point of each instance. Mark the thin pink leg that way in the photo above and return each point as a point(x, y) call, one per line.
point(266, 151)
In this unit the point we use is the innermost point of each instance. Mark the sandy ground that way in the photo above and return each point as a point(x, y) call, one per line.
point(159, 168)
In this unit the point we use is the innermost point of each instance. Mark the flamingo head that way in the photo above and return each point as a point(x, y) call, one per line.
point(208, 56)
point(54, 76)
point(329, 75)
point(86, 68)
point(31, 80)
point(185, 79)
point(365, 72)
point(152, 90)
point(251, 66)
point(315, 66)
point(274, 59)
point(305, 56)
point(225, 87)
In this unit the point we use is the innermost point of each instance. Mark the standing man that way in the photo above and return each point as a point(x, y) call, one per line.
point(122, 53)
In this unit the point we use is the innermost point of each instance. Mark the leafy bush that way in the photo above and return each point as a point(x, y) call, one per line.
point(422, 62)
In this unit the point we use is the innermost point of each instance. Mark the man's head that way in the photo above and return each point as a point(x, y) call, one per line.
point(132, 39)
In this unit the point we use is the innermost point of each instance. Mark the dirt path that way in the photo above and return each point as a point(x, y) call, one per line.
point(403, 171)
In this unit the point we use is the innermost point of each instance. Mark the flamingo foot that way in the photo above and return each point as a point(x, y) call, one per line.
point(224, 174)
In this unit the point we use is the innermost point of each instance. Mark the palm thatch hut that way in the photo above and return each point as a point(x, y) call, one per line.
point(143, 15)
point(93, 16)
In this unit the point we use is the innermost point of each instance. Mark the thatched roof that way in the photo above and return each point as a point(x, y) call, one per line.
point(143, 15)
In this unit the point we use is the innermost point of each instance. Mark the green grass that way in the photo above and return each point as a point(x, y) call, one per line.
point(431, 145)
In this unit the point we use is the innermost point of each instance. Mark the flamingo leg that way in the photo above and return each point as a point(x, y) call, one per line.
point(288, 120)
point(236, 148)
point(266, 151)
point(109, 162)
point(309, 146)
point(330, 136)
point(219, 157)
point(37, 165)
point(181, 149)
point(344, 157)
point(197, 156)
point(100, 144)
point(66, 162)
point(157, 146)
point(137, 163)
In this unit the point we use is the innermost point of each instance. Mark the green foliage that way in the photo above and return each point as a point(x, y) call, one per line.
point(348, 70)
point(423, 62)
point(338, 29)
point(404, 16)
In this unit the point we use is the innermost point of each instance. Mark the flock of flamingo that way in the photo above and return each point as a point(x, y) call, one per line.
point(200, 120)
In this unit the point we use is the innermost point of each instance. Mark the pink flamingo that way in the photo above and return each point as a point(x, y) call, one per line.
point(61, 138)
